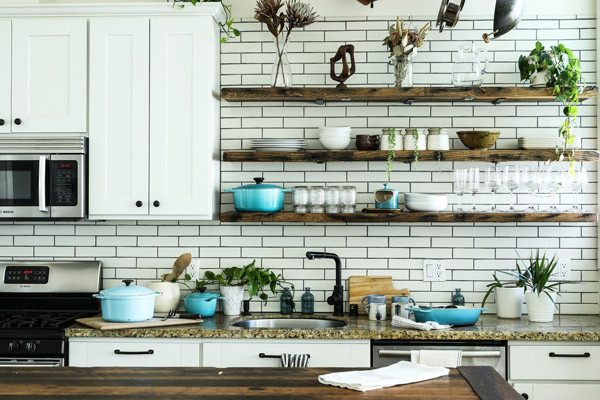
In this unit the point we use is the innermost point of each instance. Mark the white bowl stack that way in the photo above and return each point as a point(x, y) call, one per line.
point(335, 137)
point(421, 202)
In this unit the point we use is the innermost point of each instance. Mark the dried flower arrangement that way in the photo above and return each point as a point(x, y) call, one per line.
point(404, 41)
point(279, 23)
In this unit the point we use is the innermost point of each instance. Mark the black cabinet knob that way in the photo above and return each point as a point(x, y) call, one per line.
point(525, 395)
point(2, 122)
point(156, 203)
point(18, 121)
point(138, 204)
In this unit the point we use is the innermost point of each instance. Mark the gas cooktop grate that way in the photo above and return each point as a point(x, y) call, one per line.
point(42, 320)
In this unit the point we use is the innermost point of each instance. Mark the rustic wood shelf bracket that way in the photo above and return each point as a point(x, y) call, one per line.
point(320, 102)
point(499, 101)
point(409, 101)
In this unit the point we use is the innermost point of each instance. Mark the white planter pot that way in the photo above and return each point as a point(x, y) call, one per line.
point(509, 302)
point(539, 307)
point(539, 79)
point(170, 297)
point(233, 299)
point(385, 144)
point(409, 142)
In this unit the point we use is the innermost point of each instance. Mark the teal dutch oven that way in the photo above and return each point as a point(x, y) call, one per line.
point(259, 197)
point(204, 304)
point(127, 303)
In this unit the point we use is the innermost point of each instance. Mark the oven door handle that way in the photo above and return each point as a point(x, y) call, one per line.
point(465, 354)
point(34, 363)
point(42, 184)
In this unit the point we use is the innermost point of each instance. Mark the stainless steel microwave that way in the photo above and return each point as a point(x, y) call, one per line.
point(43, 178)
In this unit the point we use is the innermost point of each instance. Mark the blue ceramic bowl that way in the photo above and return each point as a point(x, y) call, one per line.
point(448, 316)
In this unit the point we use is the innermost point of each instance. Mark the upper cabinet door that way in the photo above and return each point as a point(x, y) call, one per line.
point(119, 104)
point(5, 76)
point(49, 75)
point(183, 107)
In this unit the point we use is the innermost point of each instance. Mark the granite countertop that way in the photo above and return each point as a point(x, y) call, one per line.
point(489, 327)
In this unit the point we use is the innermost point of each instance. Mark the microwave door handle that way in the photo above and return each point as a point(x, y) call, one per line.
point(42, 184)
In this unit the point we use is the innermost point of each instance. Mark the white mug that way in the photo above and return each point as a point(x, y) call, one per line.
point(377, 312)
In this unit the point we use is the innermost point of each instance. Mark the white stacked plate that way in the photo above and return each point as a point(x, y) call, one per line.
point(546, 143)
point(421, 202)
point(278, 144)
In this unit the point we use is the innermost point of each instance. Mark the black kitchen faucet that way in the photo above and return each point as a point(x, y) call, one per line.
point(337, 298)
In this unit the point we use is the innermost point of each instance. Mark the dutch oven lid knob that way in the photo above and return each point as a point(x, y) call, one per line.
point(259, 180)
point(127, 282)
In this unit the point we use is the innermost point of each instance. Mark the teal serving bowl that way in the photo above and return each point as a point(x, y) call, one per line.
point(460, 316)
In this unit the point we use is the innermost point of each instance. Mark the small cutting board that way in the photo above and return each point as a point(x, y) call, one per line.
point(99, 323)
point(361, 286)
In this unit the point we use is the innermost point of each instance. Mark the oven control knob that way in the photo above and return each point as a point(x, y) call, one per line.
point(13, 347)
point(30, 347)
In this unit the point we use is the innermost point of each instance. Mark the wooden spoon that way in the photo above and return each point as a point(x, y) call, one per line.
point(182, 262)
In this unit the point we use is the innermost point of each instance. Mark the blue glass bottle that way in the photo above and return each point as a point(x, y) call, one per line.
point(286, 302)
point(308, 302)
point(458, 299)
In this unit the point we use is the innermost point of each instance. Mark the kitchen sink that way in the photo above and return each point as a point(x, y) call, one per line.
point(289, 323)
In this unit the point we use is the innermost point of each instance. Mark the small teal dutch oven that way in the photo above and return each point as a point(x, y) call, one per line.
point(204, 304)
point(127, 303)
point(259, 197)
point(460, 316)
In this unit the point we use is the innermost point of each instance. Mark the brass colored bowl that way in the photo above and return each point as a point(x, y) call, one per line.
point(478, 139)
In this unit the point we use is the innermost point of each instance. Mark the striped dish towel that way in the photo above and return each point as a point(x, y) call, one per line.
point(294, 360)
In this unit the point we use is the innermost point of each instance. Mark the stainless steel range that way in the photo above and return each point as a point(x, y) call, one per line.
point(38, 300)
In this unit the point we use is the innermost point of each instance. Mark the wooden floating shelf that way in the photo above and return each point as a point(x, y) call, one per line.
point(495, 95)
point(448, 217)
point(321, 156)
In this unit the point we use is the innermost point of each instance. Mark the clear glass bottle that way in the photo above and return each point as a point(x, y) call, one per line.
point(308, 302)
point(458, 299)
point(286, 302)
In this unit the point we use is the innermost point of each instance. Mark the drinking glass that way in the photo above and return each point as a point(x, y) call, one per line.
point(512, 181)
point(460, 186)
point(575, 181)
point(332, 199)
point(553, 182)
point(348, 199)
point(316, 195)
point(493, 181)
point(300, 199)
point(473, 184)
point(531, 180)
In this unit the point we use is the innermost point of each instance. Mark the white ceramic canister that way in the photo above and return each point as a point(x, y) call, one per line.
point(539, 307)
point(409, 139)
point(233, 299)
point(170, 297)
point(509, 302)
point(385, 134)
point(438, 139)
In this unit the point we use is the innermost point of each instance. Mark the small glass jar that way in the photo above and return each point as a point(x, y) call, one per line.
point(385, 137)
point(308, 302)
point(348, 199)
point(300, 199)
point(458, 299)
point(332, 199)
point(409, 139)
point(316, 199)
point(438, 139)
point(286, 302)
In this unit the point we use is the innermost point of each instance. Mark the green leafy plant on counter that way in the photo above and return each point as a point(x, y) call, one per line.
point(518, 283)
point(227, 26)
point(391, 152)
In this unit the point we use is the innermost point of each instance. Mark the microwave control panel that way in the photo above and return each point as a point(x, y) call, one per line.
point(20, 275)
point(63, 188)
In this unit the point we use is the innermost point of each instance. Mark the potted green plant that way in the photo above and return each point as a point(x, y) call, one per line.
point(534, 67)
point(227, 26)
point(509, 295)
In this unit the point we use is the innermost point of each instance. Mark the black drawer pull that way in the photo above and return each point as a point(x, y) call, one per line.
point(135, 353)
point(263, 355)
point(584, 355)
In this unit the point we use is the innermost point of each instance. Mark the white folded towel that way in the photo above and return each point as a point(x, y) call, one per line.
point(400, 373)
point(437, 358)
point(401, 322)
point(294, 360)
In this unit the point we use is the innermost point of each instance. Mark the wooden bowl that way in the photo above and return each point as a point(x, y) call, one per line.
point(478, 139)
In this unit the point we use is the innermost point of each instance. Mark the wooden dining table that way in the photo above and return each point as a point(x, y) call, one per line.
point(465, 383)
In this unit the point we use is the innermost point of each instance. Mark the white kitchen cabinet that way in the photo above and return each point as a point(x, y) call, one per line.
point(323, 353)
point(555, 370)
point(154, 145)
point(5, 76)
point(125, 352)
point(49, 75)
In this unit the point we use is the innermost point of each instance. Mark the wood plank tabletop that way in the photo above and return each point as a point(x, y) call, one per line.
point(212, 383)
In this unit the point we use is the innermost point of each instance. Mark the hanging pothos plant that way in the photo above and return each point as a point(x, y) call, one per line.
point(227, 26)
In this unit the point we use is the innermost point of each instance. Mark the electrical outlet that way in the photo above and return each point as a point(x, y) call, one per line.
point(562, 272)
point(193, 270)
point(434, 270)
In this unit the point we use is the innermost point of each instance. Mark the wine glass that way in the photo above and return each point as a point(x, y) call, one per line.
point(473, 184)
point(493, 181)
point(553, 181)
point(531, 180)
point(460, 186)
point(576, 179)
point(512, 181)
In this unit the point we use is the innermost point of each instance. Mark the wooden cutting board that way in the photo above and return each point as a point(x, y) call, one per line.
point(361, 286)
point(99, 323)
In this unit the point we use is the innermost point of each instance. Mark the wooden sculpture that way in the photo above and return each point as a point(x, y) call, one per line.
point(347, 71)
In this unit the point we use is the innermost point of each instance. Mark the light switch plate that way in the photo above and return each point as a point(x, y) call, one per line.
point(193, 270)
point(562, 272)
point(434, 270)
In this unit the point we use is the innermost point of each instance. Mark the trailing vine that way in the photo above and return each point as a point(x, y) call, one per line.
point(415, 135)
point(227, 26)
point(391, 152)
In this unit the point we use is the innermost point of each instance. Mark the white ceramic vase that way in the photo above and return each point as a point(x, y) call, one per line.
point(170, 297)
point(539, 307)
point(233, 299)
point(539, 79)
point(509, 302)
